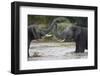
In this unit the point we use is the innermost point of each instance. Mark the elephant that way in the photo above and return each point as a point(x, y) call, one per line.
point(34, 33)
point(77, 33)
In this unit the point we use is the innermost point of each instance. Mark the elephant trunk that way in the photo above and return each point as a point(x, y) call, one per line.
point(50, 27)
point(52, 24)
point(58, 34)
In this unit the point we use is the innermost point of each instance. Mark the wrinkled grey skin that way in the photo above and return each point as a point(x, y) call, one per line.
point(79, 34)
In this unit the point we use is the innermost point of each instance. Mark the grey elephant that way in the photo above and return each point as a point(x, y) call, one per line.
point(77, 33)
point(34, 33)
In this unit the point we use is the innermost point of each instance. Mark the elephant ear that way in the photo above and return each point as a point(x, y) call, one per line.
point(76, 32)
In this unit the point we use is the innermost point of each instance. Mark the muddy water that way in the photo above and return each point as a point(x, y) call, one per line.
point(54, 51)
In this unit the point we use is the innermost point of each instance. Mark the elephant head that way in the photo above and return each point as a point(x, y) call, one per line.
point(71, 32)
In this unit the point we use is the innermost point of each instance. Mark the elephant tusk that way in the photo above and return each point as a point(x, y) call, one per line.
point(47, 35)
point(60, 40)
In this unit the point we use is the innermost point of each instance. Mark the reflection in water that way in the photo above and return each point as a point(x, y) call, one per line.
point(54, 51)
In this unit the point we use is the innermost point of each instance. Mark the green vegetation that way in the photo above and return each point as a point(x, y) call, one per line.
point(39, 19)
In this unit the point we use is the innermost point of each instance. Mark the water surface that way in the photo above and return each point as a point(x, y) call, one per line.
point(54, 51)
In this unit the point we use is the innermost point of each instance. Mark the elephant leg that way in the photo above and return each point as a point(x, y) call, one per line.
point(29, 42)
point(86, 44)
point(79, 50)
point(79, 47)
point(83, 45)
